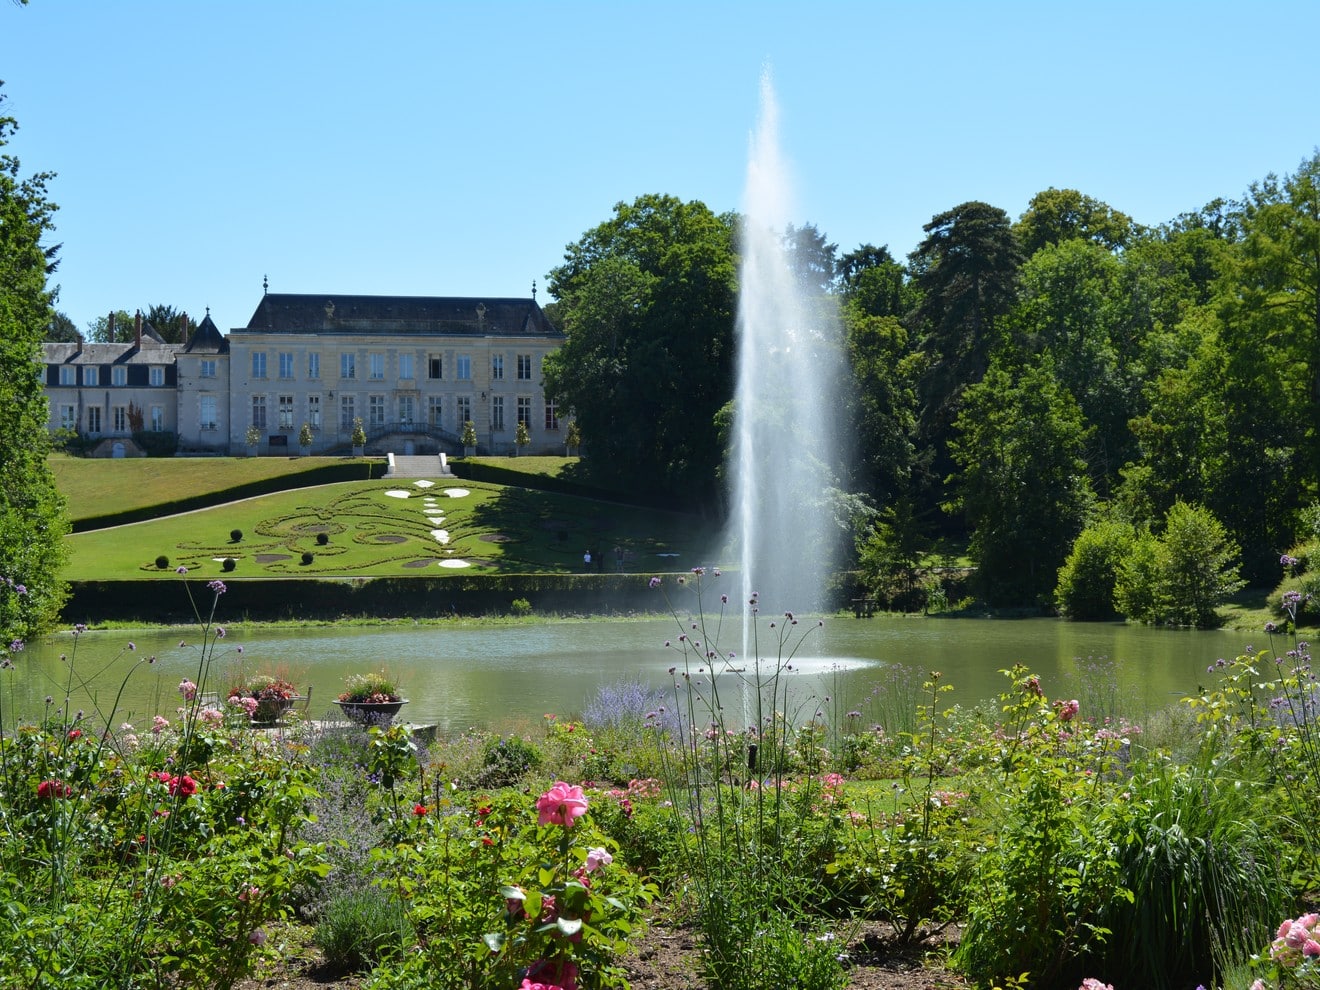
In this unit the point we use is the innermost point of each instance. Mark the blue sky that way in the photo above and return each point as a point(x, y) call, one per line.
point(442, 148)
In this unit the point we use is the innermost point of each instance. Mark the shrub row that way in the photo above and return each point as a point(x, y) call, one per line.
point(401, 597)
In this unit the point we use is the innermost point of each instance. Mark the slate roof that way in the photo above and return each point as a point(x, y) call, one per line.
point(423, 315)
point(207, 339)
point(153, 351)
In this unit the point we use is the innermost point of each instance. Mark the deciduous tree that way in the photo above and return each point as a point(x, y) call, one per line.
point(648, 302)
point(32, 519)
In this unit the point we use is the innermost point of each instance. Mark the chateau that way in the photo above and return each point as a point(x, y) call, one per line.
point(414, 369)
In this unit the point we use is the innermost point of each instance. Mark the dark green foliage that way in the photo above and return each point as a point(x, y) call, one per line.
point(229, 564)
point(162, 562)
point(156, 443)
point(307, 557)
point(506, 760)
point(1182, 576)
point(235, 535)
point(1022, 484)
point(647, 301)
point(1086, 581)
point(322, 539)
point(32, 517)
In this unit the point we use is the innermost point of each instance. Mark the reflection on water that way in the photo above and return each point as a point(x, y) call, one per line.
point(507, 677)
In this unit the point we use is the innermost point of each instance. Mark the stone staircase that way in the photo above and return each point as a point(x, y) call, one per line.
point(424, 466)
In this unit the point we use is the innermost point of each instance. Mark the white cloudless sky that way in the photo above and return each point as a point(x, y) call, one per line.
point(442, 148)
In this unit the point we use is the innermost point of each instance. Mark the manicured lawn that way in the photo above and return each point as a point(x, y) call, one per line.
point(95, 486)
point(389, 528)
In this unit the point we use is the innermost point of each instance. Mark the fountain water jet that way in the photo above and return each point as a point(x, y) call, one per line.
point(786, 398)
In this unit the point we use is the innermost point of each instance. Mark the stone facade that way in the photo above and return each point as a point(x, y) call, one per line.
point(413, 369)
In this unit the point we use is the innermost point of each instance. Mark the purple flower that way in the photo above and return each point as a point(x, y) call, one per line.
point(219, 632)
point(217, 586)
point(180, 570)
point(655, 582)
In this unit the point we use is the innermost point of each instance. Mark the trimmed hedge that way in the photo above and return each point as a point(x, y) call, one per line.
point(390, 597)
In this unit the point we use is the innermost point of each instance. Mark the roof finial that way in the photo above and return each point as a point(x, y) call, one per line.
point(533, 290)
point(265, 285)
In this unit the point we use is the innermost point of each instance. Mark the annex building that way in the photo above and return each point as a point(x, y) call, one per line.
point(414, 369)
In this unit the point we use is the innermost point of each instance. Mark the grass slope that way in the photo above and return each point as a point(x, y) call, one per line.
point(92, 485)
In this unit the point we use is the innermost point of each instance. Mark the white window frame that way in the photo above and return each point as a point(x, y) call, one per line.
point(314, 365)
point(258, 364)
point(464, 370)
point(157, 418)
point(524, 367)
point(118, 375)
point(206, 368)
point(376, 366)
point(68, 374)
point(406, 367)
point(156, 375)
point(285, 405)
point(286, 365)
point(207, 418)
point(314, 411)
point(348, 366)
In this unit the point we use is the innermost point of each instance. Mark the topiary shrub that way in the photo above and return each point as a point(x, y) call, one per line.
point(307, 557)
point(322, 539)
point(235, 535)
point(229, 564)
point(162, 562)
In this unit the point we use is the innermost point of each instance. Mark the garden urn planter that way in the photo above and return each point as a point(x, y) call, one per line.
point(371, 713)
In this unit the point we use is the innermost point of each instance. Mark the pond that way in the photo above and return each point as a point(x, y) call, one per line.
point(506, 677)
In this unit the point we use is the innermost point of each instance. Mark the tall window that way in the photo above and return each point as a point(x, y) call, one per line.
point(407, 408)
point(157, 418)
point(90, 376)
point(119, 375)
point(157, 376)
point(68, 418)
point(207, 369)
point(93, 419)
point(347, 412)
point(376, 410)
point(348, 365)
point(464, 368)
point(258, 364)
point(405, 366)
point(463, 410)
point(314, 365)
point(497, 412)
point(119, 418)
point(551, 416)
point(524, 367)
point(259, 411)
point(496, 367)
point(286, 364)
point(434, 367)
point(525, 410)
point(434, 405)
point(377, 366)
point(68, 375)
point(314, 411)
point(286, 412)
point(206, 412)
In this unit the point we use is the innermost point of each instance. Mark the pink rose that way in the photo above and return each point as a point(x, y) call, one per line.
point(598, 857)
point(561, 804)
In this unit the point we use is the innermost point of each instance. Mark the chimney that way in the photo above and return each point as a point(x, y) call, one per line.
point(183, 329)
point(137, 330)
point(110, 336)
